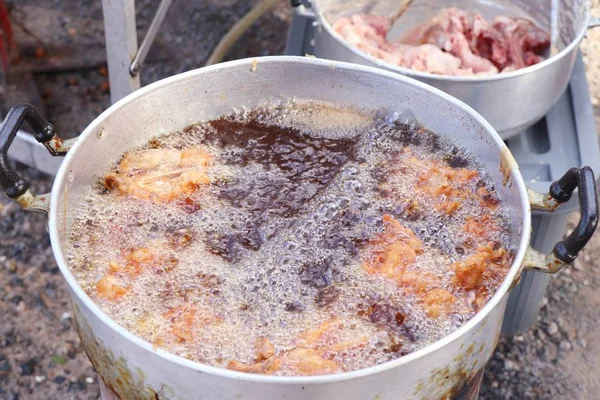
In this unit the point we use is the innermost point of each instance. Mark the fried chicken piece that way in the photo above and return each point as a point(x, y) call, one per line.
point(346, 345)
point(310, 362)
point(448, 207)
point(301, 361)
point(136, 260)
point(182, 322)
point(484, 263)
point(320, 337)
point(266, 367)
point(445, 186)
point(266, 362)
point(438, 301)
point(317, 337)
point(393, 250)
point(109, 288)
point(185, 317)
point(160, 175)
point(481, 228)
point(264, 349)
point(157, 254)
point(308, 358)
point(418, 282)
point(468, 274)
point(488, 199)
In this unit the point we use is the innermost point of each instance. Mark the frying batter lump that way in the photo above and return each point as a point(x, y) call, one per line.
point(299, 239)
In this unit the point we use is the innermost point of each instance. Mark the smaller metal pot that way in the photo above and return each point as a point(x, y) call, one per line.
point(511, 102)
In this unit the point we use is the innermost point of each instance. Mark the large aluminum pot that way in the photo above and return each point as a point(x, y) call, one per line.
point(132, 368)
point(511, 102)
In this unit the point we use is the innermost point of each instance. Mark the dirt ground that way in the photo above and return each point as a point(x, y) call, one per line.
point(40, 354)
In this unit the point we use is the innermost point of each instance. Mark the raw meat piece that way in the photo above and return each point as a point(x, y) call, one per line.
point(426, 58)
point(448, 31)
point(487, 42)
point(367, 33)
point(451, 43)
point(524, 40)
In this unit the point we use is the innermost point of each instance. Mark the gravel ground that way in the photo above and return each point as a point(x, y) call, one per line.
point(40, 353)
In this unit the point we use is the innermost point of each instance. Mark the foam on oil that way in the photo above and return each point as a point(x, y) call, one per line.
point(279, 240)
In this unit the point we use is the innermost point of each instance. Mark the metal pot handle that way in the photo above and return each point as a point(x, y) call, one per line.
point(560, 192)
point(16, 187)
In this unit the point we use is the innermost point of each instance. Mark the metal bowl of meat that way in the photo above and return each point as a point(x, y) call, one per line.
point(494, 56)
point(290, 227)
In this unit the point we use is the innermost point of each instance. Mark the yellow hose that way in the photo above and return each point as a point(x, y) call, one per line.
point(238, 30)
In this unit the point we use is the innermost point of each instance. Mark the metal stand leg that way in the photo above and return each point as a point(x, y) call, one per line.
point(121, 46)
point(301, 33)
point(142, 52)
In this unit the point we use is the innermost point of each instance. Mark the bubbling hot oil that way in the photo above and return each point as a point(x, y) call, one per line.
point(276, 245)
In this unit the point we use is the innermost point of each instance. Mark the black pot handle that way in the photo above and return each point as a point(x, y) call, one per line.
point(43, 131)
point(562, 190)
point(566, 250)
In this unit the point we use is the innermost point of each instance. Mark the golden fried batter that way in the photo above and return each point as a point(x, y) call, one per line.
point(160, 175)
point(309, 358)
point(393, 250)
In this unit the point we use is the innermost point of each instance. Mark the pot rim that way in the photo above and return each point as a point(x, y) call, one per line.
point(451, 78)
point(92, 128)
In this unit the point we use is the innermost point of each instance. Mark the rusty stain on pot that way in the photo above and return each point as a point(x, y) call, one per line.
point(113, 370)
point(58, 147)
point(541, 202)
point(549, 264)
point(469, 391)
point(507, 164)
point(27, 201)
point(462, 374)
point(466, 386)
